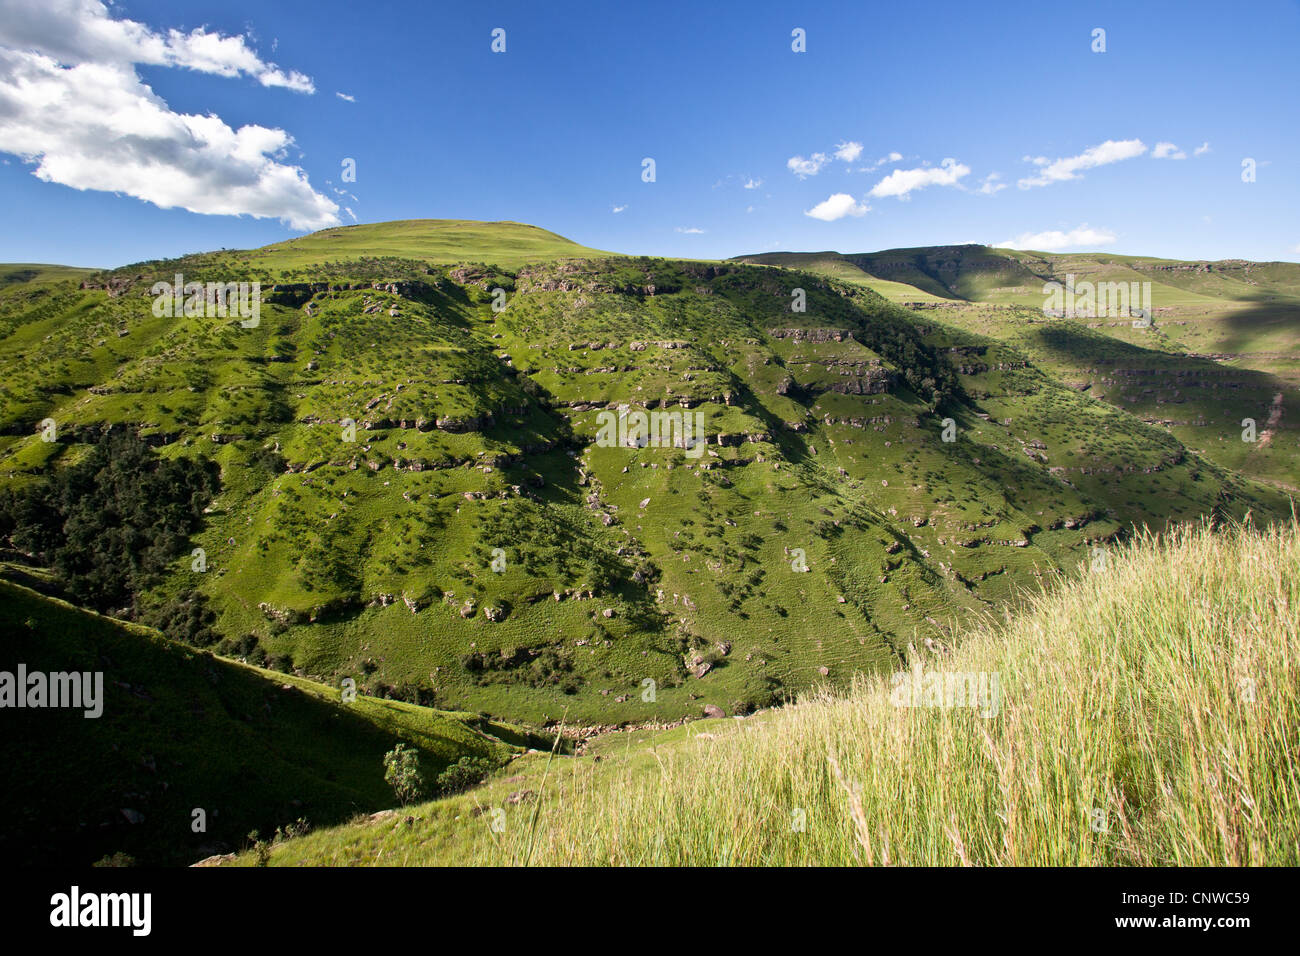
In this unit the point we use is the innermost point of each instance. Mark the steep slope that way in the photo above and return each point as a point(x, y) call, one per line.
point(1141, 715)
point(181, 729)
point(414, 491)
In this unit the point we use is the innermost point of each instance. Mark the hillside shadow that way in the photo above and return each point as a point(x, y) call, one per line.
point(1075, 344)
point(1267, 313)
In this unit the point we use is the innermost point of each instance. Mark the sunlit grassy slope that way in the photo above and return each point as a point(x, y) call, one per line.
point(1148, 714)
point(436, 241)
point(39, 274)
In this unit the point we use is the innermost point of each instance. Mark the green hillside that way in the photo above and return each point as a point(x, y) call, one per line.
point(12, 273)
point(1143, 716)
point(182, 729)
point(1224, 345)
point(433, 241)
point(468, 542)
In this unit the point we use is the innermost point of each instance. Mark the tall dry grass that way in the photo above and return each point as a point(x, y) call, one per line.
point(1148, 715)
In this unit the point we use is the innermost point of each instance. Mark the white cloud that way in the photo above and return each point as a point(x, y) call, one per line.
point(893, 157)
point(848, 152)
point(1167, 151)
point(753, 183)
point(345, 96)
point(989, 185)
point(837, 207)
point(903, 181)
point(1203, 148)
point(803, 168)
point(618, 208)
point(1061, 170)
point(72, 105)
point(690, 231)
point(82, 31)
point(1054, 240)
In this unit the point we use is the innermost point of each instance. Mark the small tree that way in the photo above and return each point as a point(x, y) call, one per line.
point(402, 773)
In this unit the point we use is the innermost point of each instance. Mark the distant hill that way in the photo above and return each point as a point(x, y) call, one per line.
point(434, 241)
point(977, 273)
point(1224, 345)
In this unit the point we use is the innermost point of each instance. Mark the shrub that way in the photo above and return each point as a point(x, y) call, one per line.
point(402, 773)
point(463, 774)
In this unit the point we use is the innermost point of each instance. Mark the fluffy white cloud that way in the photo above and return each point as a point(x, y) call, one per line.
point(753, 183)
point(803, 168)
point(1167, 151)
point(83, 31)
point(837, 207)
point(690, 231)
point(1054, 240)
point(618, 208)
point(848, 152)
point(72, 105)
point(903, 181)
point(1199, 150)
point(1061, 170)
point(990, 185)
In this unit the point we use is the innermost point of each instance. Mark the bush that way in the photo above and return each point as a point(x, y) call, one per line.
point(110, 525)
point(402, 773)
point(463, 774)
point(186, 618)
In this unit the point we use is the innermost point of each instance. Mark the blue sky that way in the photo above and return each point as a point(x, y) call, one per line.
point(1136, 150)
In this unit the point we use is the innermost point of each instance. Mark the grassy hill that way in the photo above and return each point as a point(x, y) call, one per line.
point(34, 274)
point(433, 241)
point(1225, 345)
point(1145, 717)
point(471, 539)
point(183, 729)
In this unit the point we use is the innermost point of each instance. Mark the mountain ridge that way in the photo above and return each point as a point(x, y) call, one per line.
point(827, 484)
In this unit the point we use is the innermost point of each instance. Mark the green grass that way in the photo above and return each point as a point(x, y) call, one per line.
point(435, 241)
point(14, 273)
point(1147, 717)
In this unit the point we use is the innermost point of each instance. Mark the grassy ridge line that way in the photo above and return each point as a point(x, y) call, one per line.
point(1162, 691)
point(438, 241)
point(14, 273)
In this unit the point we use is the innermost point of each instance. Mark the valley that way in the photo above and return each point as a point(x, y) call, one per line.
point(424, 481)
